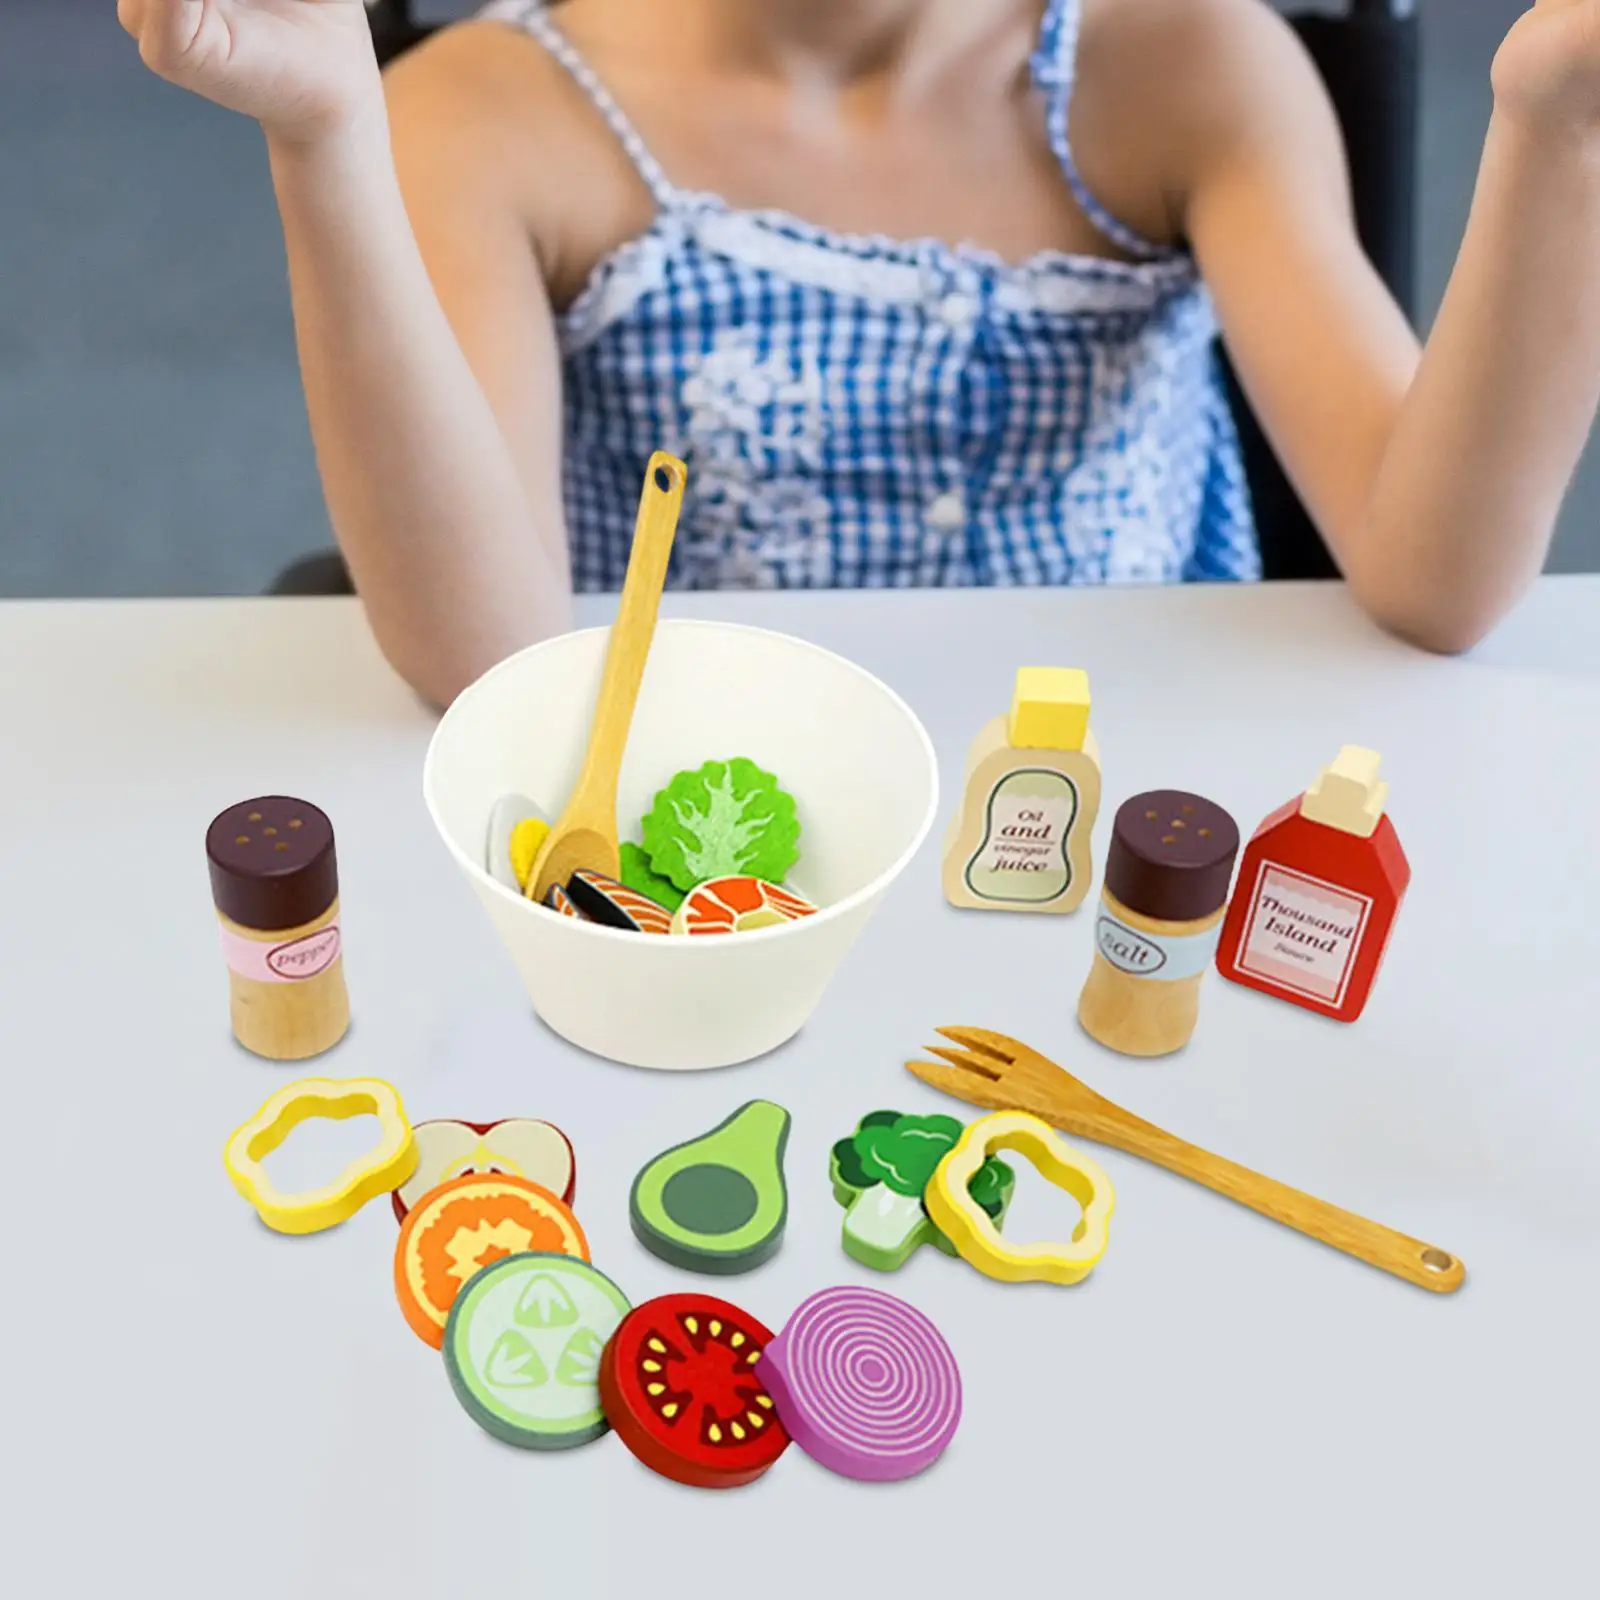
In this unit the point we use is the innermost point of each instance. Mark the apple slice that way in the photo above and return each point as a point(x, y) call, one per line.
point(517, 1147)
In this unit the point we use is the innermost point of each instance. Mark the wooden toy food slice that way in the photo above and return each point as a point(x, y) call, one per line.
point(974, 1234)
point(678, 1382)
point(738, 905)
point(516, 831)
point(879, 1175)
point(461, 1227)
point(560, 901)
point(603, 899)
point(516, 1147)
point(390, 1162)
point(865, 1384)
point(523, 1345)
point(718, 1203)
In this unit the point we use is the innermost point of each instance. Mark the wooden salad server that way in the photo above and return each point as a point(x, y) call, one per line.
point(1002, 1074)
point(585, 835)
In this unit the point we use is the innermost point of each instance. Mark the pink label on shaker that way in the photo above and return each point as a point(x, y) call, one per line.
point(281, 963)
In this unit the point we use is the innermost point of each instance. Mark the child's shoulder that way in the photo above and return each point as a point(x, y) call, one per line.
point(483, 75)
point(1184, 46)
point(482, 102)
point(1193, 81)
point(1168, 24)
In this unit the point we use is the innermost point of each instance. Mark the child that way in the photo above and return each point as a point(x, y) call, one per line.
point(925, 291)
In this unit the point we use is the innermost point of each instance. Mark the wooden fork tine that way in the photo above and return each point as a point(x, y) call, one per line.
point(960, 1083)
point(996, 1045)
point(967, 1061)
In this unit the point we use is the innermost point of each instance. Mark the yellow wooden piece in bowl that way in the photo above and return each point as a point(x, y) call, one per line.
point(381, 1169)
point(526, 839)
point(971, 1230)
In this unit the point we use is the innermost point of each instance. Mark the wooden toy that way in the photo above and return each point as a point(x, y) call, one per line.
point(678, 1383)
point(1020, 839)
point(1162, 903)
point(726, 819)
point(865, 1384)
point(560, 901)
point(585, 835)
point(461, 1226)
point(515, 1147)
point(1002, 1074)
point(275, 886)
point(737, 905)
point(527, 839)
point(603, 899)
point(523, 1346)
point(640, 876)
point(516, 831)
point(717, 1203)
point(970, 1228)
point(390, 1162)
point(1319, 888)
point(879, 1174)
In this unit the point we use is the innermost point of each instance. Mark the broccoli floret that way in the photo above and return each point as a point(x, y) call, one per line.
point(879, 1175)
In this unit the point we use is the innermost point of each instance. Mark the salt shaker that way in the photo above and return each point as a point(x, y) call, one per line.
point(1165, 891)
point(275, 886)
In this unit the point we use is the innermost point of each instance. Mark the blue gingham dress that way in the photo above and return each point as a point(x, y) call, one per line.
point(877, 413)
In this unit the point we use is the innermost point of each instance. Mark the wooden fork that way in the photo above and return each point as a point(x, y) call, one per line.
point(1002, 1074)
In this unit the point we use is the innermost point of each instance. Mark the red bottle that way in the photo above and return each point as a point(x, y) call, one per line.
point(1318, 890)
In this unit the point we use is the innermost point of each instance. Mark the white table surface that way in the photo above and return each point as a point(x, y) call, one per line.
point(193, 1406)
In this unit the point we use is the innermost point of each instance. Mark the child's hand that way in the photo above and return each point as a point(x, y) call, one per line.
point(300, 67)
point(1547, 73)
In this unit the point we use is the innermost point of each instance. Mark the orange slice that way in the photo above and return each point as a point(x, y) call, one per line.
point(456, 1230)
point(737, 905)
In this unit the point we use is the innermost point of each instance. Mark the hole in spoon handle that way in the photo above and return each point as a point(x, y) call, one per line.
point(1438, 1270)
point(666, 473)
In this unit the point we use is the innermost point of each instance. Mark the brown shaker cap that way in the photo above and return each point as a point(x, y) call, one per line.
point(1172, 855)
point(272, 863)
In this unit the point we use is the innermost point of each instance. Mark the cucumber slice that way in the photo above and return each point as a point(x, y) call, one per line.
point(523, 1345)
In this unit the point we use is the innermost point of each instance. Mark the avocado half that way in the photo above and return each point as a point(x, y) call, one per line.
point(718, 1203)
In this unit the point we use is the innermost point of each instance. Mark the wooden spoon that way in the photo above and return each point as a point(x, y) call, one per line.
point(586, 833)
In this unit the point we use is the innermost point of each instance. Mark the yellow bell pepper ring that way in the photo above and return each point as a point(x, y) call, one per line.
point(381, 1169)
point(970, 1229)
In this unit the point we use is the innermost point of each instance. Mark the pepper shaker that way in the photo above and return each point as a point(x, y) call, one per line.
point(1165, 893)
point(275, 886)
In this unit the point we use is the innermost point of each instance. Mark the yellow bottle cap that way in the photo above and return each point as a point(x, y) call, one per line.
point(1049, 709)
point(1348, 795)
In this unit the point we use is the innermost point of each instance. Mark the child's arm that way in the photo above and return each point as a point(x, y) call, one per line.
point(1437, 484)
point(425, 338)
point(432, 383)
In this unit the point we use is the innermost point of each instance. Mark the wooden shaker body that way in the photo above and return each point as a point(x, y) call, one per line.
point(1139, 1016)
point(288, 1021)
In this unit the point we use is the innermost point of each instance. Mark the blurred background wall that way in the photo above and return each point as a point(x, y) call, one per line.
point(152, 434)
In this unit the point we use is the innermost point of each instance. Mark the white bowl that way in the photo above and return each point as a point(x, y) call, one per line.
point(856, 759)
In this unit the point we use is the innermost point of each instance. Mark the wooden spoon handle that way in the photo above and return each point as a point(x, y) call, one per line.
point(632, 632)
point(1416, 1261)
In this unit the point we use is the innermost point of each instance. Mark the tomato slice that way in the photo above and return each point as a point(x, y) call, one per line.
point(678, 1383)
